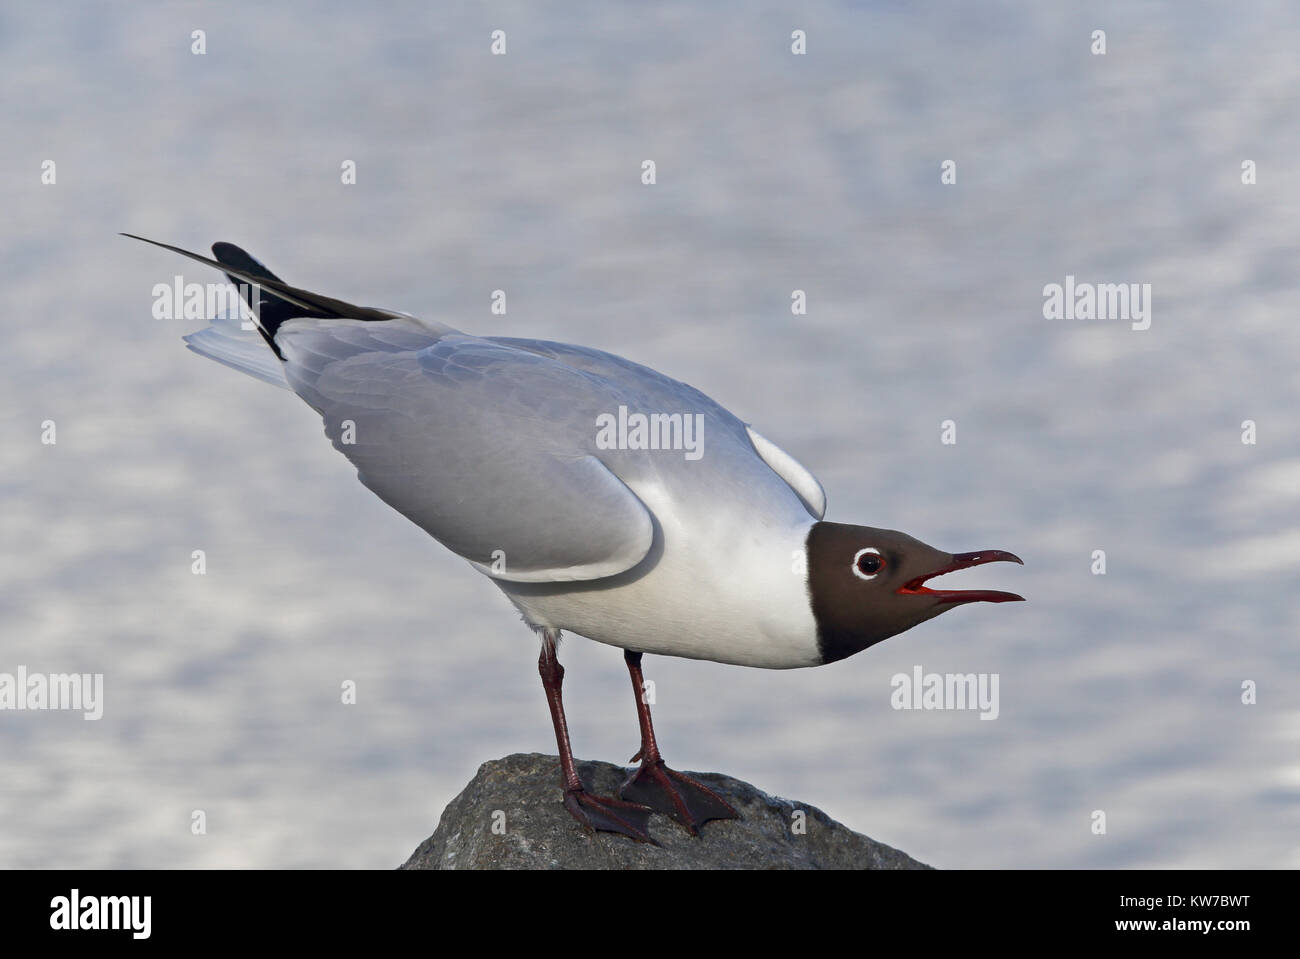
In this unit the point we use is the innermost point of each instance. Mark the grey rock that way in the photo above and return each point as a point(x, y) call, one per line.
point(522, 793)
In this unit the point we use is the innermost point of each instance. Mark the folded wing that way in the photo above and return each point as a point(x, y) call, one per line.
point(486, 447)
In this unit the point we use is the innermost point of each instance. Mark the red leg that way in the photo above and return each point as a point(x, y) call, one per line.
point(595, 812)
point(690, 802)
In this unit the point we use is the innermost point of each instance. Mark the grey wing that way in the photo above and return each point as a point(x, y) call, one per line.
point(651, 387)
point(486, 447)
point(656, 388)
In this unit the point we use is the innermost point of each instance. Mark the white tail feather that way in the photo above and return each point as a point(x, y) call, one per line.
point(244, 350)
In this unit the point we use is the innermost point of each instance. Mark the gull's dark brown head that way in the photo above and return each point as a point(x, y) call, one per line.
point(869, 584)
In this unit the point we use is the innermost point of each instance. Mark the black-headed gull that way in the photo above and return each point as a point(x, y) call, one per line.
point(601, 496)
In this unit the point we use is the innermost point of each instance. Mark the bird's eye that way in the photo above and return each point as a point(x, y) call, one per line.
point(867, 563)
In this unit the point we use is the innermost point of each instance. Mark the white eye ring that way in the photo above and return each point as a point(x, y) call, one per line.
point(858, 555)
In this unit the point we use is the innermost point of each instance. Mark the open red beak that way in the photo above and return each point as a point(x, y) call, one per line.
point(917, 587)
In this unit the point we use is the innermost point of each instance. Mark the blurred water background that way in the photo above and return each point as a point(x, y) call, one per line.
point(775, 172)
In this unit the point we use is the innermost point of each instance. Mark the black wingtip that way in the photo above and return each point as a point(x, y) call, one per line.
point(279, 300)
point(233, 256)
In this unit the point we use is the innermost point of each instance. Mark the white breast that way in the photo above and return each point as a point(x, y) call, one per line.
point(721, 583)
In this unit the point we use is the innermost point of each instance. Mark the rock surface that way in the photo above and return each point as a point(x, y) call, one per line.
point(521, 795)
